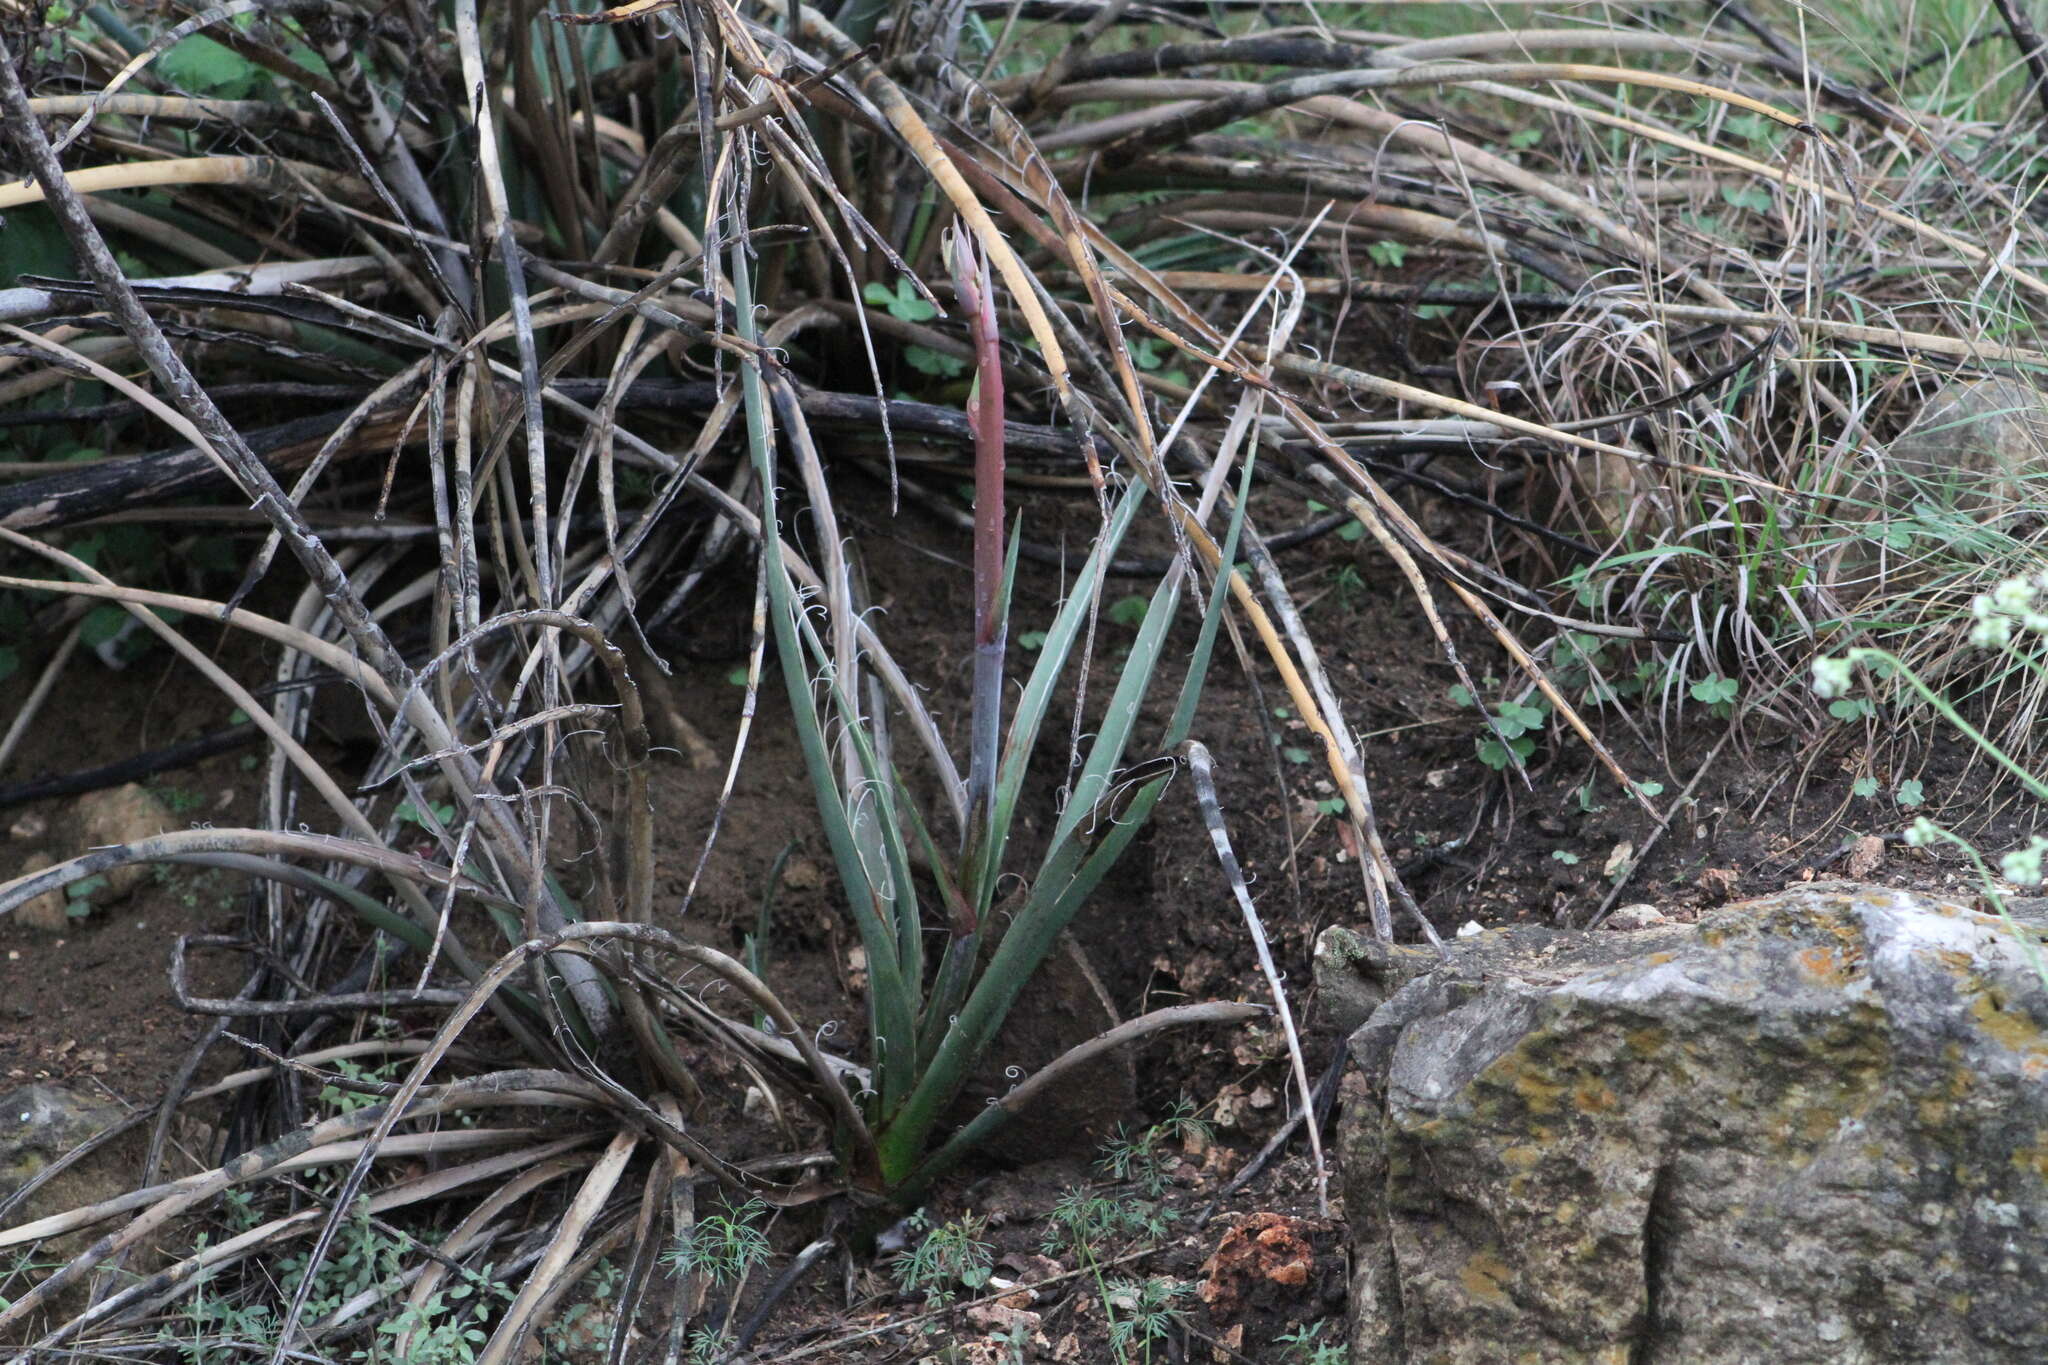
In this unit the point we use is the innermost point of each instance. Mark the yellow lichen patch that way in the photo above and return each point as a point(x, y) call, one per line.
point(1805, 1116)
point(1521, 1157)
point(1820, 1124)
point(1540, 1092)
point(1937, 1106)
point(2013, 1029)
point(1647, 1041)
point(2034, 1156)
point(1482, 1278)
point(1828, 966)
point(1565, 1212)
point(1592, 1096)
point(1528, 1073)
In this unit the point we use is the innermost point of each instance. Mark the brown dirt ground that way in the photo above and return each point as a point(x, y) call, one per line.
point(95, 1004)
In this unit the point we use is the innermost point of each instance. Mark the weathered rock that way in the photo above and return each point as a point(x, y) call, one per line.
point(1355, 974)
point(1972, 447)
point(1972, 453)
point(1628, 919)
point(38, 1124)
point(49, 912)
point(1865, 856)
point(119, 815)
point(41, 1122)
point(1812, 1127)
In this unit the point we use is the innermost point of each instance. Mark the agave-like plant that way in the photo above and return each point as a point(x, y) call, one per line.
point(929, 1025)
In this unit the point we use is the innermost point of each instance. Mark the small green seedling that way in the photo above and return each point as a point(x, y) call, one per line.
point(1143, 1313)
point(1305, 1346)
point(1129, 611)
point(1716, 693)
point(442, 812)
point(904, 303)
point(1515, 726)
point(723, 1247)
point(947, 1257)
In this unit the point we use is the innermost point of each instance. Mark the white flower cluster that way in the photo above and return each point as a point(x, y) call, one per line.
point(1922, 833)
point(1833, 676)
point(2014, 603)
point(2022, 866)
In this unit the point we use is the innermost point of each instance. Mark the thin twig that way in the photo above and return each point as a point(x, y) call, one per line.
point(1202, 771)
point(46, 681)
point(2032, 50)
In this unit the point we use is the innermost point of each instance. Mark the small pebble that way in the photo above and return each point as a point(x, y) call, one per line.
point(1638, 916)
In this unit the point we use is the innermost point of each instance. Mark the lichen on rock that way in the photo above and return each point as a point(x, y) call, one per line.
point(1812, 1127)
